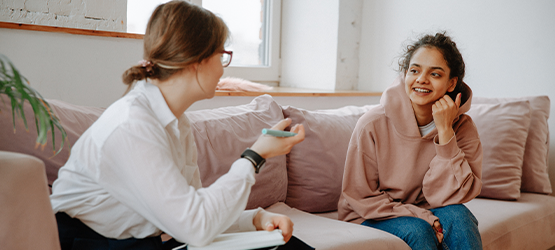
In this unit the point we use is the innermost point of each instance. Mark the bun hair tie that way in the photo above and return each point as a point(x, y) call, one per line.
point(147, 65)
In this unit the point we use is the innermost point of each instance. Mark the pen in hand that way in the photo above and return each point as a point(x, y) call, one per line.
point(277, 133)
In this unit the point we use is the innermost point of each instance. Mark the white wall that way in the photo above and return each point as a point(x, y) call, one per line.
point(348, 40)
point(84, 70)
point(311, 63)
point(508, 45)
point(319, 44)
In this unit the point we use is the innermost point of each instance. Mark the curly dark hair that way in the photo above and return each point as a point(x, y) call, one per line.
point(447, 47)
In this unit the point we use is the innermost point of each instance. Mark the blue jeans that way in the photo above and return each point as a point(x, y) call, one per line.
point(460, 229)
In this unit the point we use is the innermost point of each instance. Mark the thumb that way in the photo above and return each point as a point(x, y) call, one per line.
point(269, 226)
point(281, 125)
point(458, 100)
point(299, 129)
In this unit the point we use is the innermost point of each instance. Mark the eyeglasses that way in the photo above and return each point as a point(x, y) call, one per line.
point(226, 57)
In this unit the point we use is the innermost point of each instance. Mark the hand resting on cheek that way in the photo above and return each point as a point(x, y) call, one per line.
point(444, 112)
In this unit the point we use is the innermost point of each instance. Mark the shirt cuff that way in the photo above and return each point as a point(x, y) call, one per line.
point(448, 150)
point(246, 220)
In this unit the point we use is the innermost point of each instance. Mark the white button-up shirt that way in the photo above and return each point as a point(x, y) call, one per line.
point(134, 173)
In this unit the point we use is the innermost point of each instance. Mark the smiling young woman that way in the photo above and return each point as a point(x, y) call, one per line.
point(414, 160)
point(426, 81)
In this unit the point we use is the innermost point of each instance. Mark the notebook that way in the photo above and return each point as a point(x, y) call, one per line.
point(241, 241)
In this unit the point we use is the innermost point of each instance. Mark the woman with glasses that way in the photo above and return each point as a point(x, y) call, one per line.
point(133, 174)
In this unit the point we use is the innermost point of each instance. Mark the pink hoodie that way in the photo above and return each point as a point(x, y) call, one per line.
point(392, 171)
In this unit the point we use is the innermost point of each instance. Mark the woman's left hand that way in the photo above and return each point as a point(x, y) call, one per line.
point(444, 112)
point(265, 220)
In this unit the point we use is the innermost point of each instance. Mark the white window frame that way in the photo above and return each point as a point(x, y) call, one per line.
point(265, 74)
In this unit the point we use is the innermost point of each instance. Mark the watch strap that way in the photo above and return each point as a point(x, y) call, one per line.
point(257, 160)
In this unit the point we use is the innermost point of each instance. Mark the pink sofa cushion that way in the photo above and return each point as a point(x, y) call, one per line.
point(515, 225)
point(222, 134)
point(332, 234)
point(75, 120)
point(503, 129)
point(315, 166)
point(535, 177)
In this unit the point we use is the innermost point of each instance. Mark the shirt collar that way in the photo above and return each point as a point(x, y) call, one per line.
point(157, 102)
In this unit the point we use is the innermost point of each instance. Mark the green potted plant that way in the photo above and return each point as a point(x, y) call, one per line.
point(16, 88)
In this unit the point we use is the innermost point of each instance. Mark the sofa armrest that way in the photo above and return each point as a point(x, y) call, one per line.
point(27, 220)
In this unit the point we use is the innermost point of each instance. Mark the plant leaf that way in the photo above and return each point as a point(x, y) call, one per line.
point(15, 86)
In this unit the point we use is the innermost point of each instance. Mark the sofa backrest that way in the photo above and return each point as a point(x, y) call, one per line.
point(309, 178)
point(315, 166)
point(514, 134)
point(222, 134)
point(74, 118)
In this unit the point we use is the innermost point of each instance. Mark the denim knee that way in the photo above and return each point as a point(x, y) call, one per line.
point(419, 229)
point(460, 227)
point(455, 215)
point(416, 232)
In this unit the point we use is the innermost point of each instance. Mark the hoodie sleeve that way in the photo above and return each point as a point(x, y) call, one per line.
point(361, 192)
point(455, 172)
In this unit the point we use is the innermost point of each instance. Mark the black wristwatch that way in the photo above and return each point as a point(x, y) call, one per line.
point(257, 160)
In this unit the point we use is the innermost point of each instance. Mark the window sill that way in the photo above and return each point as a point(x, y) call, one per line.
point(297, 92)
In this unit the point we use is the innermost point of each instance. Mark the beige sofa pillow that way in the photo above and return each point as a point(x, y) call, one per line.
point(535, 176)
point(222, 134)
point(503, 129)
point(74, 118)
point(315, 166)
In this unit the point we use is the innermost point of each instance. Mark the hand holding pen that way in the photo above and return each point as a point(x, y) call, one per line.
point(278, 142)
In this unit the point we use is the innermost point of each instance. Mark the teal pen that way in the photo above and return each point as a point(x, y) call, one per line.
point(277, 133)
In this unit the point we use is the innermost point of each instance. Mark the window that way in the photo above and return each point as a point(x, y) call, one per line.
point(254, 27)
point(138, 13)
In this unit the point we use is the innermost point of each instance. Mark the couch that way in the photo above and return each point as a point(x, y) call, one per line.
point(514, 210)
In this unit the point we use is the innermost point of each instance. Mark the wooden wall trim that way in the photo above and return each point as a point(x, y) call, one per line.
point(74, 31)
